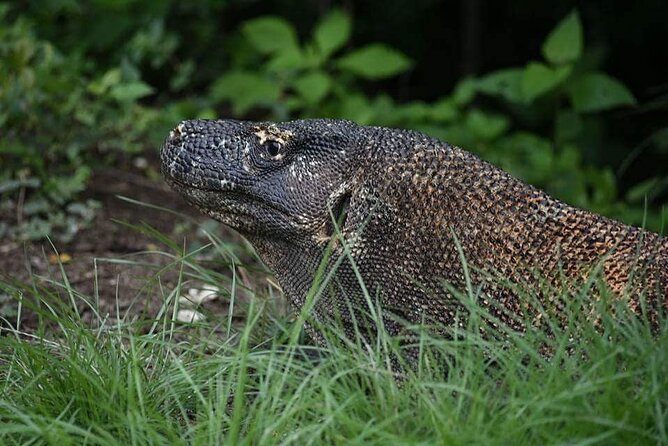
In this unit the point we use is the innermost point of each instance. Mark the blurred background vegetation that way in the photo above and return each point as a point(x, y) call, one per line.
point(571, 99)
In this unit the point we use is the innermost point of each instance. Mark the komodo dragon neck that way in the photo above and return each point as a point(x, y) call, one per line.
point(410, 202)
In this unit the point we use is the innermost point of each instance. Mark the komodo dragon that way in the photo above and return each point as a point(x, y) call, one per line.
point(410, 206)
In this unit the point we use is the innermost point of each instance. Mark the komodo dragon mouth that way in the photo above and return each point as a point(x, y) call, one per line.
point(236, 209)
point(224, 200)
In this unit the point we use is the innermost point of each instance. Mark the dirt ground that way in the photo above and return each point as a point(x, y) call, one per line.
point(111, 263)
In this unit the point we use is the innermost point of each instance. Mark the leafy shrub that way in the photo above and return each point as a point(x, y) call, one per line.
point(60, 123)
point(535, 121)
point(69, 100)
point(302, 79)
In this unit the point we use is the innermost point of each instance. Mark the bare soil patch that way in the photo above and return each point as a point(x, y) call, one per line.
point(111, 263)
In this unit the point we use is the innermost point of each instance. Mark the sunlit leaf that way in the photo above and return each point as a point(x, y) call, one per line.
point(526, 155)
point(109, 79)
point(332, 32)
point(564, 44)
point(413, 111)
point(245, 90)
point(356, 107)
point(131, 91)
point(287, 59)
point(539, 79)
point(464, 91)
point(313, 87)
point(444, 110)
point(375, 61)
point(486, 126)
point(270, 34)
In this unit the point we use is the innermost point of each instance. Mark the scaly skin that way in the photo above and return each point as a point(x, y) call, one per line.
point(409, 200)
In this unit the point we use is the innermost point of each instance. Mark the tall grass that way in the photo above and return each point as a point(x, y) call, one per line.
point(112, 383)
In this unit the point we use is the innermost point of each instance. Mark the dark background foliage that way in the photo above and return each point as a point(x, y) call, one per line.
point(85, 85)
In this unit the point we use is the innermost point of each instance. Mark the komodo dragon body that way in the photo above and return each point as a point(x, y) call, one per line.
point(413, 207)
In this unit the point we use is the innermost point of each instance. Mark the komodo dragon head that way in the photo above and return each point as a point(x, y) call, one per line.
point(268, 181)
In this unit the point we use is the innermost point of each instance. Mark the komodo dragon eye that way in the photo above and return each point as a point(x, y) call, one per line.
point(273, 148)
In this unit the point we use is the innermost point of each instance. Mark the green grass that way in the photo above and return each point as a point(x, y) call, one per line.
point(168, 383)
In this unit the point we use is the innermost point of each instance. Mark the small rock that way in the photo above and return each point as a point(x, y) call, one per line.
point(198, 296)
point(140, 162)
point(189, 316)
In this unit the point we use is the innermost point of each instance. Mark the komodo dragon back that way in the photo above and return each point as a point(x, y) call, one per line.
point(410, 206)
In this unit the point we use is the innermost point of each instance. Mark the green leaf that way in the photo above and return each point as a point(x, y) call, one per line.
point(455, 134)
point(293, 103)
point(109, 79)
point(287, 59)
point(84, 116)
point(464, 91)
point(526, 155)
point(375, 61)
point(245, 90)
point(597, 91)
point(356, 107)
point(332, 32)
point(313, 87)
point(270, 34)
point(486, 126)
point(130, 91)
point(564, 44)
point(538, 79)
point(62, 188)
point(206, 113)
point(444, 110)
point(505, 83)
point(414, 111)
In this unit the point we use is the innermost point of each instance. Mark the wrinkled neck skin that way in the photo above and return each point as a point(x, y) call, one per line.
point(294, 267)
